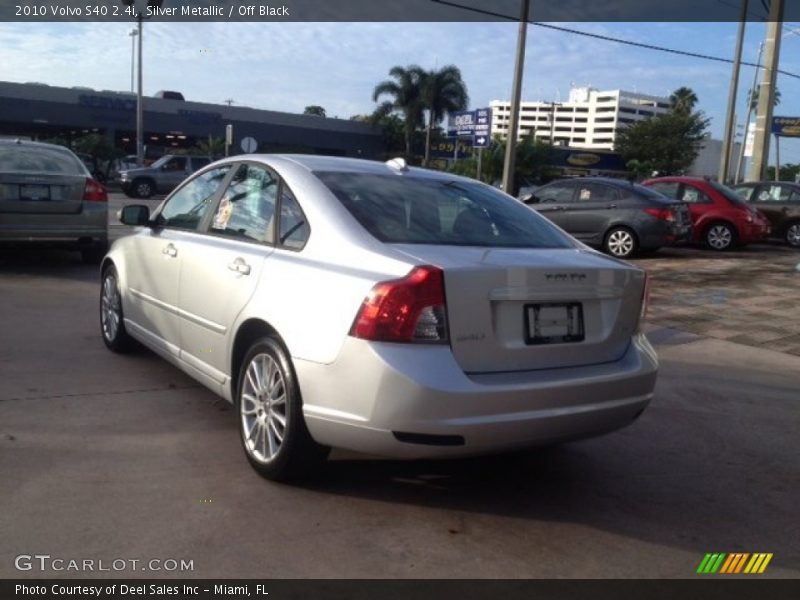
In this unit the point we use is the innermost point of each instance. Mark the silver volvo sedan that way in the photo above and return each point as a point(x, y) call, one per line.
point(385, 309)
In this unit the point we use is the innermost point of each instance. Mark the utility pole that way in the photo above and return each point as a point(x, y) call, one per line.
point(516, 94)
point(730, 122)
point(766, 93)
point(139, 99)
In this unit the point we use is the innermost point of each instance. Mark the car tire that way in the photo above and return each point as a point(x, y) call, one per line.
point(620, 242)
point(792, 234)
point(269, 410)
point(720, 236)
point(142, 188)
point(112, 323)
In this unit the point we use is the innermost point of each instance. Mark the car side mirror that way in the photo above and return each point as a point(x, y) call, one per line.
point(136, 215)
point(530, 199)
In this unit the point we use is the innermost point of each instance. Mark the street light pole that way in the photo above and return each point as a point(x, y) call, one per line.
point(139, 100)
point(766, 93)
point(133, 33)
point(740, 164)
point(516, 94)
point(730, 123)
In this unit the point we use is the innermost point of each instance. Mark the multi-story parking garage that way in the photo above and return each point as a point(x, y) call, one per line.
point(41, 111)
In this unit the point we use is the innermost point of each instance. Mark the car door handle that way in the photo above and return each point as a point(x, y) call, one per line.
point(611, 206)
point(240, 266)
point(170, 250)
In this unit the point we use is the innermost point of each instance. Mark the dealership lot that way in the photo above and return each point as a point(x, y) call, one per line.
point(106, 456)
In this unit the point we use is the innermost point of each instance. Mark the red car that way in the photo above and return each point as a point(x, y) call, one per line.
point(720, 217)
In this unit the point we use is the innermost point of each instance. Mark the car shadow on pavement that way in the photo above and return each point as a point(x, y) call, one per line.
point(678, 478)
point(46, 261)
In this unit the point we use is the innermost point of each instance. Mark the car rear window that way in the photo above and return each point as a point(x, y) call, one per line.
point(38, 159)
point(413, 210)
point(729, 194)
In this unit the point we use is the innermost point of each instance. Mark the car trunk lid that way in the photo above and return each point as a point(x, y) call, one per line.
point(518, 309)
point(41, 193)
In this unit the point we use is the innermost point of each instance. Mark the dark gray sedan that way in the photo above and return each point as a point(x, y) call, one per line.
point(48, 196)
point(620, 217)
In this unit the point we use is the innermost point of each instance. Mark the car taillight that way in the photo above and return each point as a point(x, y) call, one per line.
point(663, 214)
point(94, 191)
point(411, 309)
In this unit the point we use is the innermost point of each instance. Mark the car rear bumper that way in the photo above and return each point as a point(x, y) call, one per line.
point(415, 402)
point(90, 225)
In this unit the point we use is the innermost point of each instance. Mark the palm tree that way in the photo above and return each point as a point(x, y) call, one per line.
point(405, 93)
point(683, 100)
point(753, 95)
point(213, 147)
point(443, 91)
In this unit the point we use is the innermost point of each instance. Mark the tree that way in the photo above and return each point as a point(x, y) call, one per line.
point(405, 91)
point(531, 165)
point(788, 172)
point(683, 100)
point(212, 147)
point(442, 92)
point(667, 144)
point(101, 151)
point(753, 95)
point(315, 110)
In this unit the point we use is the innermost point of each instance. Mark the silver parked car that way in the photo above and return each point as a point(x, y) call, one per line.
point(385, 309)
point(161, 177)
point(47, 195)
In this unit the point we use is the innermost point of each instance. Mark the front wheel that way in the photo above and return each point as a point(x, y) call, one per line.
point(143, 188)
point(720, 236)
point(112, 324)
point(792, 235)
point(273, 432)
point(620, 242)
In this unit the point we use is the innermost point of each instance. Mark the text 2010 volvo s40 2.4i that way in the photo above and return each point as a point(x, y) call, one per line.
point(385, 309)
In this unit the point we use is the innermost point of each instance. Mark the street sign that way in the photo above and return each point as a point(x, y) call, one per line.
point(249, 145)
point(786, 126)
point(481, 141)
point(749, 140)
point(461, 124)
point(483, 121)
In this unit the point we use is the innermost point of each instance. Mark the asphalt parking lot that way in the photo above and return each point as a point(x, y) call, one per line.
point(105, 456)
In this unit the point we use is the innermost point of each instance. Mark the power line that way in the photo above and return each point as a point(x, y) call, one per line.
point(609, 38)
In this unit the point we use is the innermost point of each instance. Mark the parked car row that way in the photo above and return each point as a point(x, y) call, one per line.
point(624, 218)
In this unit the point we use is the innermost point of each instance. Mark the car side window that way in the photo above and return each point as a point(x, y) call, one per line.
point(668, 188)
point(176, 164)
point(596, 192)
point(247, 208)
point(744, 191)
point(187, 207)
point(294, 228)
point(694, 196)
point(558, 192)
point(775, 193)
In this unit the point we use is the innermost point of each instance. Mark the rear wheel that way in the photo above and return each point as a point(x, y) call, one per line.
point(112, 325)
point(720, 236)
point(792, 235)
point(621, 242)
point(273, 431)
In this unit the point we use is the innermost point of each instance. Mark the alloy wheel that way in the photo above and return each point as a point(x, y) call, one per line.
point(793, 235)
point(110, 308)
point(262, 407)
point(719, 237)
point(621, 242)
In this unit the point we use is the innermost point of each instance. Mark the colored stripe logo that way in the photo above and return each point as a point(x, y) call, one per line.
point(732, 563)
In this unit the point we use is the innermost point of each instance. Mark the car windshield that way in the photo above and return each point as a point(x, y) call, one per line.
point(16, 158)
point(416, 210)
point(729, 194)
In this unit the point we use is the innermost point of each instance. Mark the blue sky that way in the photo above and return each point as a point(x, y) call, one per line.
point(287, 66)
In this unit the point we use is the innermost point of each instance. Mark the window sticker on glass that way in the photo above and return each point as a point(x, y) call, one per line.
point(586, 194)
point(223, 214)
